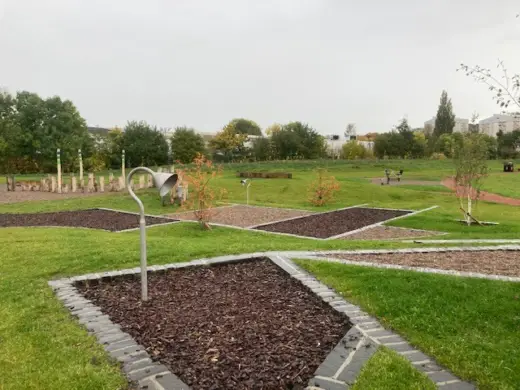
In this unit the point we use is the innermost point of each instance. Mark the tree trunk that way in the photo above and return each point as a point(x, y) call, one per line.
point(468, 218)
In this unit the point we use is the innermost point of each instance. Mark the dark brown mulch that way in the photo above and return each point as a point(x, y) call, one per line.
point(331, 224)
point(243, 325)
point(94, 219)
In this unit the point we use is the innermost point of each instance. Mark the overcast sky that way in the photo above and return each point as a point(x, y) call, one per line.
point(202, 62)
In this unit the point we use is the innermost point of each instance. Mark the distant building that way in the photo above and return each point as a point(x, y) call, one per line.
point(94, 130)
point(461, 125)
point(492, 125)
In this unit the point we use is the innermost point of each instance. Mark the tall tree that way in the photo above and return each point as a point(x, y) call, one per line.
point(298, 140)
point(44, 125)
point(144, 145)
point(261, 149)
point(445, 119)
point(245, 126)
point(228, 143)
point(186, 145)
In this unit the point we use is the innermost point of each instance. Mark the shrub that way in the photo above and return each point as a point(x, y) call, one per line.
point(202, 195)
point(352, 150)
point(438, 156)
point(322, 190)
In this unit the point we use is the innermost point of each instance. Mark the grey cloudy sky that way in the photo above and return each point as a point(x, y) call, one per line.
point(202, 62)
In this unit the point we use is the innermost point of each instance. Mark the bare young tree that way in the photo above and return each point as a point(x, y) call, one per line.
point(471, 169)
point(350, 130)
point(505, 87)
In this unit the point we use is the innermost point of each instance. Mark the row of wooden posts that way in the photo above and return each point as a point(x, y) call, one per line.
point(93, 184)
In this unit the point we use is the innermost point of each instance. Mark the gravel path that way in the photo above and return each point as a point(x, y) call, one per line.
point(25, 196)
point(245, 216)
point(389, 233)
point(486, 262)
point(244, 325)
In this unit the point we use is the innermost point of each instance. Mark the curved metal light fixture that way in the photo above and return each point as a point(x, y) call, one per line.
point(164, 182)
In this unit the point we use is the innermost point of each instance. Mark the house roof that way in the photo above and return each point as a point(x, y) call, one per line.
point(98, 130)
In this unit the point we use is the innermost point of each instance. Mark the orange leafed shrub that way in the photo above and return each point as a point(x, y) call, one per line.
point(322, 190)
point(203, 196)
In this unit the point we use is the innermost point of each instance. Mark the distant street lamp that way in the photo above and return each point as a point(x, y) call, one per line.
point(164, 182)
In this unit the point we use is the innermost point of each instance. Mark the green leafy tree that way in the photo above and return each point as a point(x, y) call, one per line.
point(353, 150)
point(261, 149)
point(186, 144)
point(245, 126)
point(42, 126)
point(298, 140)
point(144, 145)
point(508, 144)
point(228, 143)
point(445, 119)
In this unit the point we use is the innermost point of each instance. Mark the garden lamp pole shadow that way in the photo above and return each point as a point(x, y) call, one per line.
point(164, 182)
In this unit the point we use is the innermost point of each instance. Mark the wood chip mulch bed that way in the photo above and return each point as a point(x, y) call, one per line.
point(330, 224)
point(94, 219)
point(389, 233)
point(244, 325)
point(505, 263)
point(245, 216)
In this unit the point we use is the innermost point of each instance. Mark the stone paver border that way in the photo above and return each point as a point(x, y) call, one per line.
point(338, 371)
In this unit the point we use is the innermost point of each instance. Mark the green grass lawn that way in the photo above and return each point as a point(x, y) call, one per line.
point(471, 326)
point(37, 335)
point(388, 370)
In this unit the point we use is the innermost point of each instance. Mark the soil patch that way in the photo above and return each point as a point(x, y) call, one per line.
point(94, 219)
point(389, 233)
point(245, 216)
point(243, 325)
point(330, 224)
point(27, 196)
point(505, 263)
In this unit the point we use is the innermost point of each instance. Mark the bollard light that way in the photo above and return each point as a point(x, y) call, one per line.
point(246, 182)
point(164, 182)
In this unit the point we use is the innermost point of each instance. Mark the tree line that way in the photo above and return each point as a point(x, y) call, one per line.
point(32, 128)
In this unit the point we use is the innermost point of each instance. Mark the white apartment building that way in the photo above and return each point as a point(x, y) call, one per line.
point(461, 125)
point(492, 125)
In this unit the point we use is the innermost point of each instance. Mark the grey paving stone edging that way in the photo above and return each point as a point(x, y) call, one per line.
point(338, 371)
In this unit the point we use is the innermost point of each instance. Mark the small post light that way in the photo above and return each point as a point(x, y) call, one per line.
point(164, 182)
point(247, 183)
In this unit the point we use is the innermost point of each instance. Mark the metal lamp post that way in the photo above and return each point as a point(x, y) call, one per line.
point(247, 183)
point(164, 182)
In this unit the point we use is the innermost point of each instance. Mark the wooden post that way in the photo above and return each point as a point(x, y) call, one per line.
point(80, 165)
point(121, 182)
point(185, 192)
point(65, 188)
point(53, 183)
point(150, 181)
point(90, 182)
point(58, 153)
point(102, 184)
point(123, 168)
point(141, 182)
point(82, 185)
point(74, 184)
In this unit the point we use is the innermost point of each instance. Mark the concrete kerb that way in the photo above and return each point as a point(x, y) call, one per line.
point(346, 363)
point(380, 223)
point(464, 241)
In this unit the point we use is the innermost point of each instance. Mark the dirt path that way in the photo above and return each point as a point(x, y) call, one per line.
point(25, 196)
point(485, 196)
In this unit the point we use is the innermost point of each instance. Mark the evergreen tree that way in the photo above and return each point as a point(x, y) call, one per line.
point(445, 120)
